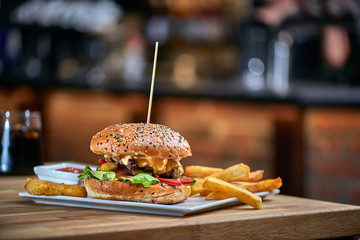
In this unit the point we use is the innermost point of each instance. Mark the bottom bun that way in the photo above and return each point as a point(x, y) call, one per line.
point(127, 191)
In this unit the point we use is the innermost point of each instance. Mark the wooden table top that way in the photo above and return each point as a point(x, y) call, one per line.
point(282, 217)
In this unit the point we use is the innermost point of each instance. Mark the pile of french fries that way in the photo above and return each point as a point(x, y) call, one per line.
point(235, 181)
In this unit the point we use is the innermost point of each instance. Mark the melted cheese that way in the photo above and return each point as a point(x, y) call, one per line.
point(158, 165)
point(125, 160)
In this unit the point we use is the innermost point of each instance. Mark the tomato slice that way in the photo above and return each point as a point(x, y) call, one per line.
point(172, 182)
point(102, 161)
point(122, 173)
point(176, 182)
point(186, 180)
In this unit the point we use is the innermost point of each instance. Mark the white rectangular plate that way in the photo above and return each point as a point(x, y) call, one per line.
point(192, 205)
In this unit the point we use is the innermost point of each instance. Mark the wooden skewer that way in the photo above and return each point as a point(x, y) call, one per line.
point(152, 83)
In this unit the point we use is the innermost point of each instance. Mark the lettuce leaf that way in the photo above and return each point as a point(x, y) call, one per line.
point(145, 179)
point(192, 184)
point(99, 175)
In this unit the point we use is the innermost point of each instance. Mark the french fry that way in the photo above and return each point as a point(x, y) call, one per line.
point(237, 172)
point(39, 187)
point(255, 176)
point(198, 186)
point(204, 192)
point(217, 196)
point(261, 186)
point(196, 171)
point(231, 190)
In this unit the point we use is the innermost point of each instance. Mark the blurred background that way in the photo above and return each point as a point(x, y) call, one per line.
point(271, 83)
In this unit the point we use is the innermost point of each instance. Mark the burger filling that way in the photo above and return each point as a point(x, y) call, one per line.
point(138, 171)
point(133, 163)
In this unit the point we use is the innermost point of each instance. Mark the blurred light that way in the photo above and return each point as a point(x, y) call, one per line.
point(158, 29)
point(5, 144)
point(13, 43)
point(33, 68)
point(134, 63)
point(68, 68)
point(281, 49)
point(27, 118)
point(112, 63)
point(198, 30)
point(280, 82)
point(184, 73)
point(96, 77)
point(256, 66)
point(286, 37)
point(253, 77)
point(253, 82)
point(134, 66)
point(87, 16)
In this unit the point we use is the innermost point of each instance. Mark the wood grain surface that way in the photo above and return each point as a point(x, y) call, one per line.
point(282, 217)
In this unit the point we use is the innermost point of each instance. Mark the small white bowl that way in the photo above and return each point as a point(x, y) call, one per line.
point(52, 174)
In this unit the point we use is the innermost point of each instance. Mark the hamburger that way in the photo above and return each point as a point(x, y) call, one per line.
point(140, 163)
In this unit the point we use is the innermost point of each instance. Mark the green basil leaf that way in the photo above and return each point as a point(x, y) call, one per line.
point(145, 179)
point(99, 175)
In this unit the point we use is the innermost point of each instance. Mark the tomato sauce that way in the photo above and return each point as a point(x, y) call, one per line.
point(70, 169)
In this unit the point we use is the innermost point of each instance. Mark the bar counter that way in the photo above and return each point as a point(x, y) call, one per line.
point(282, 217)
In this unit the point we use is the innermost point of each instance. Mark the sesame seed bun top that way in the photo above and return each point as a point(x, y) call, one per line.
point(152, 140)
